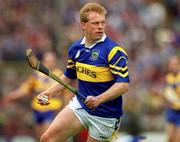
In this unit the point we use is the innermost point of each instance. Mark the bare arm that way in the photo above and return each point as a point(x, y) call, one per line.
point(23, 90)
point(54, 89)
point(113, 92)
point(16, 94)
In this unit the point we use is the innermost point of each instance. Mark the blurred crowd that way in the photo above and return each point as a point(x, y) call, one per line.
point(149, 30)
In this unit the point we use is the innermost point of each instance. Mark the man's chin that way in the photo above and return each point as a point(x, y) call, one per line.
point(98, 37)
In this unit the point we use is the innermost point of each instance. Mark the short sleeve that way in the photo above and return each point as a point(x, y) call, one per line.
point(118, 64)
point(70, 71)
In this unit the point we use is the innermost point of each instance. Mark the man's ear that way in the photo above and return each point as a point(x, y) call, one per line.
point(83, 25)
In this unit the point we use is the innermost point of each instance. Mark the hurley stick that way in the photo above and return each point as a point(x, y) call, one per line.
point(37, 65)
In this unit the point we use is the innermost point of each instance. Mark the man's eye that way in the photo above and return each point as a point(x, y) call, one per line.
point(96, 23)
point(103, 23)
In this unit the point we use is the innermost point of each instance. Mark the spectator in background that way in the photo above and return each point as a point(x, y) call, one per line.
point(172, 96)
point(35, 83)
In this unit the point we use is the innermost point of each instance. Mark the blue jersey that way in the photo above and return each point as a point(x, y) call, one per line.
point(97, 69)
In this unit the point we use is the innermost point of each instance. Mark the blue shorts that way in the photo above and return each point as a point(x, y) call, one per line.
point(173, 116)
point(41, 117)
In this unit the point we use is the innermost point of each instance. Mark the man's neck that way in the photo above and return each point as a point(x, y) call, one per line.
point(89, 43)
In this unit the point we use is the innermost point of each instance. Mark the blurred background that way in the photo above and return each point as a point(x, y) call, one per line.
point(149, 30)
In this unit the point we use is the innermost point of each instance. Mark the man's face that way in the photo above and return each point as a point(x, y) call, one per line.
point(174, 64)
point(94, 28)
point(49, 60)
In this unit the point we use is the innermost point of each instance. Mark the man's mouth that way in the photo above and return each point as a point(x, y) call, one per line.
point(99, 33)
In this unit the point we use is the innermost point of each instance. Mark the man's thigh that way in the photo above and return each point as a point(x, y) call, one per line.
point(65, 124)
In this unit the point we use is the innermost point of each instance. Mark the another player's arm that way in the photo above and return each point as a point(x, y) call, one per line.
point(16, 94)
point(22, 91)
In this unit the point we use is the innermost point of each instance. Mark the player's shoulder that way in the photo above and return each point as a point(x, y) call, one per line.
point(75, 45)
point(74, 48)
point(114, 47)
point(110, 43)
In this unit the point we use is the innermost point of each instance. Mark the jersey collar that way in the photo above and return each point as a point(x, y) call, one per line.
point(101, 40)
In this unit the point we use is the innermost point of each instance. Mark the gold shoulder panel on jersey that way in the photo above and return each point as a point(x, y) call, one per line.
point(117, 67)
point(121, 71)
point(113, 52)
point(93, 73)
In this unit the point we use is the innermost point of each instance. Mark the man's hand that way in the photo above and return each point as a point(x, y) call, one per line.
point(92, 102)
point(43, 99)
